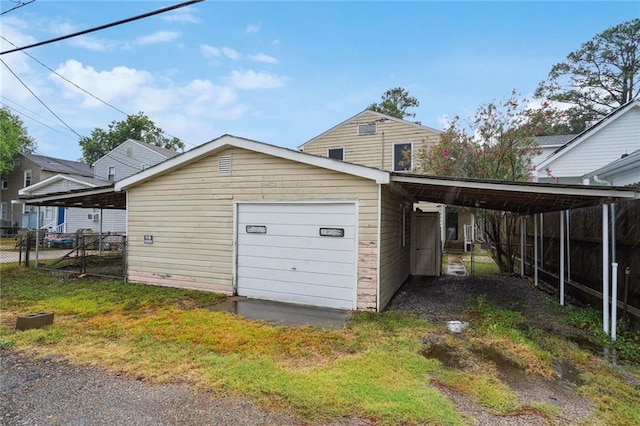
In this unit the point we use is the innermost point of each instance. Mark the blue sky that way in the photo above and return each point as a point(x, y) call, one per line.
point(280, 72)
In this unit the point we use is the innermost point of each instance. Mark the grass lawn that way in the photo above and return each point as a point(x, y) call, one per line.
point(376, 368)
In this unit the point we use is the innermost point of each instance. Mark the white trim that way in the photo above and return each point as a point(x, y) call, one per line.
point(606, 121)
point(393, 155)
point(532, 188)
point(234, 249)
point(226, 141)
point(58, 197)
point(356, 243)
point(49, 180)
point(24, 178)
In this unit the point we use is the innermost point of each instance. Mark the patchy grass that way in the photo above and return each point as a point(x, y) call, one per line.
point(376, 368)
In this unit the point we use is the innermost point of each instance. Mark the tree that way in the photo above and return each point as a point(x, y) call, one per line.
point(500, 145)
point(138, 127)
point(13, 140)
point(395, 103)
point(600, 76)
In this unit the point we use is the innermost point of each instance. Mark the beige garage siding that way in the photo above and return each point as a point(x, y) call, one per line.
point(394, 241)
point(371, 150)
point(189, 213)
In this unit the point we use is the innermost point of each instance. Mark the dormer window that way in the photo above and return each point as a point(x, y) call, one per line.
point(367, 129)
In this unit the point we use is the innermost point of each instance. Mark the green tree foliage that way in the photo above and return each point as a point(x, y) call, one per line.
point(395, 102)
point(138, 127)
point(599, 77)
point(500, 145)
point(13, 140)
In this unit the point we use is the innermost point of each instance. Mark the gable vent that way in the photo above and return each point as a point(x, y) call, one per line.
point(224, 164)
point(367, 129)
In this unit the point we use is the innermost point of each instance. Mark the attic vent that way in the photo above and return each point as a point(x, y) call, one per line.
point(367, 129)
point(129, 151)
point(224, 164)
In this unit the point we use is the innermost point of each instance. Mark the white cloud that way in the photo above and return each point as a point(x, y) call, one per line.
point(444, 121)
point(252, 28)
point(158, 37)
point(120, 82)
point(250, 80)
point(261, 57)
point(181, 15)
point(210, 51)
point(230, 53)
point(94, 44)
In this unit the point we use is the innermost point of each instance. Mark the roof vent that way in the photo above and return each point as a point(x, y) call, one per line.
point(224, 165)
point(367, 129)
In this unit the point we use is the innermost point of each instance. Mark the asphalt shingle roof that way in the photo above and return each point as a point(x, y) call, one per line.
point(59, 165)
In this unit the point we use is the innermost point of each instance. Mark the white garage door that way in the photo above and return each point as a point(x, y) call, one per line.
point(299, 253)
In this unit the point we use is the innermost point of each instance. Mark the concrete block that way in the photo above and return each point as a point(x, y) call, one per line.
point(37, 320)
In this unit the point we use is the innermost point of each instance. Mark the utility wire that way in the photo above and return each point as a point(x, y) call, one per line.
point(39, 100)
point(37, 121)
point(19, 5)
point(102, 27)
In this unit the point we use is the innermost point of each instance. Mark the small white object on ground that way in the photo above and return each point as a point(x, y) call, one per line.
point(457, 326)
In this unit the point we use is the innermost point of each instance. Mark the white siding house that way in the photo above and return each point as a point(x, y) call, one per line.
point(610, 139)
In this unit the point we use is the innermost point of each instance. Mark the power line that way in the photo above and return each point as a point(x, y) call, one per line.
point(102, 27)
point(19, 5)
point(39, 100)
point(36, 120)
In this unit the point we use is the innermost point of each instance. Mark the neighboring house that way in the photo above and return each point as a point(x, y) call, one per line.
point(126, 159)
point(624, 171)
point(378, 140)
point(30, 169)
point(549, 145)
point(614, 136)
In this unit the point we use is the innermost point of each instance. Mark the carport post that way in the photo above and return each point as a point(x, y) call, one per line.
point(614, 300)
point(605, 268)
point(562, 258)
point(521, 246)
point(37, 235)
point(535, 251)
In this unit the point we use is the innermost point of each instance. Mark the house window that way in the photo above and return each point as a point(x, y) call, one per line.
point(26, 209)
point(367, 129)
point(3, 210)
point(5, 184)
point(27, 178)
point(16, 162)
point(336, 153)
point(111, 176)
point(402, 153)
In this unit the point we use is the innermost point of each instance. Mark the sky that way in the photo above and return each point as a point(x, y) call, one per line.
point(277, 72)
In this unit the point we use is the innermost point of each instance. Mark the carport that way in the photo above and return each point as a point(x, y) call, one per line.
point(533, 199)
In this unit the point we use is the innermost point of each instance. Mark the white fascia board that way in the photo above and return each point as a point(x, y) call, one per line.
point(227, 141)
point(58, 197)
point(555, 189)
point(50, 180)
point(589, 132)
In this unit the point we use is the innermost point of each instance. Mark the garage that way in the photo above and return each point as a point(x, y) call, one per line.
point(298, 252)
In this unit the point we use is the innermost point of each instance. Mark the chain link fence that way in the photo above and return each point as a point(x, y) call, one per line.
point(83, 253)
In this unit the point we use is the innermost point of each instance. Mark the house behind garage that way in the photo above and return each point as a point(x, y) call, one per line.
point(241, 217)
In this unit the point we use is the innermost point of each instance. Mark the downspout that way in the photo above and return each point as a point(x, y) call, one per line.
point(614, 273)
point(605, 269)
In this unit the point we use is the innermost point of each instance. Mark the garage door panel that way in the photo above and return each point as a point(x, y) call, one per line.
point(292, 253)
point(324, 243)
point(289, 230)
point(285, 287)
point(292, 218)
point(291, 262)
point(315, 267)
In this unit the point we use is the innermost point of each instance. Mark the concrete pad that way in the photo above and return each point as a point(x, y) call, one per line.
point(283, 313)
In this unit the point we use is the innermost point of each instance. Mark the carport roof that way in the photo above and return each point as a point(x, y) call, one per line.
point(519, 197)
point(104, 197)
